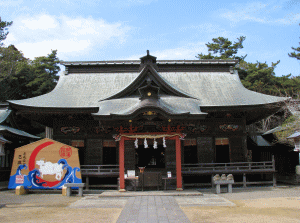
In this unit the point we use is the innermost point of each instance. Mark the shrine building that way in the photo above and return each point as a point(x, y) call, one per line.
point(185, 117)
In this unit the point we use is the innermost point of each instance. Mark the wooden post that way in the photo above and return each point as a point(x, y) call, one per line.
point(274, 174)
point(87, 182)
point(274, 180)
point(178, 164)
point(244, 180)
point(121, 165)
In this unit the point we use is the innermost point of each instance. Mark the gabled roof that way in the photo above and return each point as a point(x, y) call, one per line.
point(4, 128)
point(3, 140)
point(295, 135)
point(149, 73)
point(260, 141)
point(4, 113)
point(188, 92)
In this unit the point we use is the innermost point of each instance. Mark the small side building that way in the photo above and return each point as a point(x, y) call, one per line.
point(10, 138)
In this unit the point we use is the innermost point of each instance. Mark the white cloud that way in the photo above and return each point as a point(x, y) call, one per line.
point(261, 13)
point(37, 35)
point(44, 22)
point(43, 48)
point(187, 52)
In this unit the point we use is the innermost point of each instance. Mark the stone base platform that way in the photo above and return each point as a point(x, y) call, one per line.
point(114, 193)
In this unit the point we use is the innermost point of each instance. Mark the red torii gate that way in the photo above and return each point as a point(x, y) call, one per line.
point(170, 135)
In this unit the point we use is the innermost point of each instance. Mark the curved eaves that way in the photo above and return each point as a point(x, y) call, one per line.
point(17, 132)
point(170, 105)
point(140, 79)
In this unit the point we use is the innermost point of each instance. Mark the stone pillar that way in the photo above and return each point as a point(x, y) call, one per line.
point(178, 164)
point(121, 165)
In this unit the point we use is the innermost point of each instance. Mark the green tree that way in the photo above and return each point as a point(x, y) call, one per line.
point(23, 78)
point(224, 49)
point(3, 30)
point(15, 71)
point(44, 71)
point(259, 76)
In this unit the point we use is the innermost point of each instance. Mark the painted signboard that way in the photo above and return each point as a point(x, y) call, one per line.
point(45, 164)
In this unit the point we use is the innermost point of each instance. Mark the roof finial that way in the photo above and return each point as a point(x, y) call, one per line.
point(147, 52)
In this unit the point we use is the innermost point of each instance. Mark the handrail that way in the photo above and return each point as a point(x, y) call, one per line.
point(199, 167)
point(99, 168)
point(238, 166)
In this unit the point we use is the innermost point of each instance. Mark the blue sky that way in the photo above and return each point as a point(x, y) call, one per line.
point(170, 29)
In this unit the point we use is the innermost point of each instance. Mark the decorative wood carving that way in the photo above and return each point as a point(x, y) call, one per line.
point(229, 127)
point(149, 113)
point(197, 128)
point(102, 129)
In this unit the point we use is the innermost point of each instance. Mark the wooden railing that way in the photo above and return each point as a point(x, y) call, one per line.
point(99, 169)
point(243, 168)
point(267, 166)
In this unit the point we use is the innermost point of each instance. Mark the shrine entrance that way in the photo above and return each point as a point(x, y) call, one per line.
point(150, 157)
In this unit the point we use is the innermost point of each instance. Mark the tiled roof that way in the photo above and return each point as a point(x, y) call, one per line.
point(115, 62)
point(197, 89)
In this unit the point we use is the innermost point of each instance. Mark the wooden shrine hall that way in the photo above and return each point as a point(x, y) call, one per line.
point(183, 117)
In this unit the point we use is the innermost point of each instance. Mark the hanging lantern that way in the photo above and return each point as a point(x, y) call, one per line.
point(164, 142)
point(145, 143)
point(155, 144)
point(136, 143)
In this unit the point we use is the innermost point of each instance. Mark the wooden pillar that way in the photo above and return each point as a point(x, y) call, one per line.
point(178, 164)
point(87, 183)
point(274, 174)
point(244, 180)
point(121, 165)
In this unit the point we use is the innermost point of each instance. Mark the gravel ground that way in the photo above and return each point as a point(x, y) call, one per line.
point(53, 208)
point(259, 204)
point(265, 204)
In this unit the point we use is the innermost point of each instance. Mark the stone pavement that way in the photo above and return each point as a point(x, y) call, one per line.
point(151, 206)
point(152, 209)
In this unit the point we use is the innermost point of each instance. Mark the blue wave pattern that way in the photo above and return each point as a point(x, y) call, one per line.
point(32, 182)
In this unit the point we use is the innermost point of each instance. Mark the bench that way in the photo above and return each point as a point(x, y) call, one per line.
point(69, 188)
point(218, 184)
